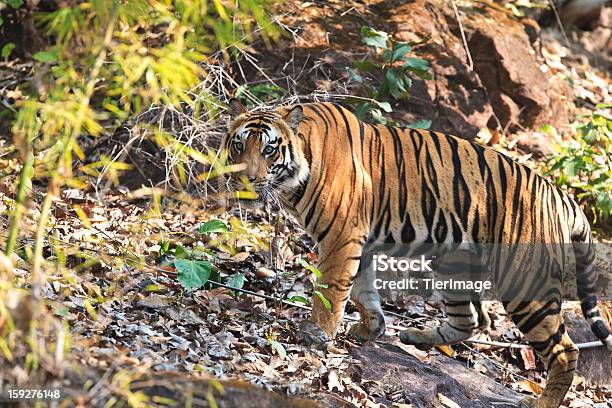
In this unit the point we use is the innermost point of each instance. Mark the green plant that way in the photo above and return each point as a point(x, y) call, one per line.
point(585, 163)
point(385, 74)
point(110, 60)
point(278, 347)
point(193, 265)
point(264, 92)
point(6, 51)
point(315, 277)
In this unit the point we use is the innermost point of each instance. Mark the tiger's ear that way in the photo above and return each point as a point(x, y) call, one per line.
point(236, 108)
point(294, 117)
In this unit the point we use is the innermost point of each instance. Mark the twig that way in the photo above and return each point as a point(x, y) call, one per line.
point(463, 38)
point(558, 18)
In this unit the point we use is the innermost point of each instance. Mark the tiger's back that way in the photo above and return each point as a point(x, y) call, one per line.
point(433, 188)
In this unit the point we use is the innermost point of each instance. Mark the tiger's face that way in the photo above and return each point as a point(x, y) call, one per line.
point(268, 147)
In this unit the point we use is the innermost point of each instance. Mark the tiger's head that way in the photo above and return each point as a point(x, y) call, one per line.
point(270, 150)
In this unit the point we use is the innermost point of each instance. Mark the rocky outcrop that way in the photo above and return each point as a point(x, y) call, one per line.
point(494, 78)
point(501, 74)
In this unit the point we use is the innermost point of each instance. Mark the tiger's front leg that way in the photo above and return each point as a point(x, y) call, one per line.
point(366, 298)
point(339, 265)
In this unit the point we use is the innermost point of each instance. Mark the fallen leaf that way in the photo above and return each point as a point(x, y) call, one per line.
point(447, 350)
point(530, 386)
point(333, 382)
point(447, 402)
point(263, 272)
point(154, 302)
point(528, 358)
point(421, 355)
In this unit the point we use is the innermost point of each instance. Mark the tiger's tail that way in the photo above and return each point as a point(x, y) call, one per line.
point(584, 251)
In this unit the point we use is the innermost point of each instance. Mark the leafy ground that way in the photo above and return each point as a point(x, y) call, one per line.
point(128, 313)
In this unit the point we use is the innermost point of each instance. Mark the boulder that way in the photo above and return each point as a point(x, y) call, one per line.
point(402, 378)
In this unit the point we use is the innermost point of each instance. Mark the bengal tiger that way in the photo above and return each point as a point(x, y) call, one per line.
point(350, 183)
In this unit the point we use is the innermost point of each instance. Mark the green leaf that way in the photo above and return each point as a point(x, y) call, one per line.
point(362, 109)
point(15, 4)
point(420, 124)
point(192, 274)
point(61, 311)
point(416, 64)
point(365, 66)
point(407, 83)
point(6, 50)
point(299, 299)
point(354, 75)
point(378, 116)
point(181, 252)
point(548, 129)
point(212, 226)
point(49, 56)
point(373, 37)
point(164, 248)
point(236, 280)
point(323, 299)
point(399, 50)
point(395, 83)
point(386, 106)
point(317, 273)
point(280, 349)
point(603, 106)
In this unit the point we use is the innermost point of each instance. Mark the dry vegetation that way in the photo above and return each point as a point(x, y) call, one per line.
point(112, 285)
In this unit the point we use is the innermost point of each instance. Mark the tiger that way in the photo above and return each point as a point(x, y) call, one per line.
point(349, 183)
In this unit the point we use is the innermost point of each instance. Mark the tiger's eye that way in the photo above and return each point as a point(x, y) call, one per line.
point(268, 150)
point(239, 146)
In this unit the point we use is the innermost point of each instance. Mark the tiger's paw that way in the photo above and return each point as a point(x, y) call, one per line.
point(311, 335)
point(528, 402)
point(374, 330)
point(415, 337)
point(363, 333)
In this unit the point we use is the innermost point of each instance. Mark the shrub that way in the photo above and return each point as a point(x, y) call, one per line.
point(385, 74)
point(585, 163)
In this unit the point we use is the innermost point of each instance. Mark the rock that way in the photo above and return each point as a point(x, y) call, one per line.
point(509, 69)
point(455, 100)
point(262, 272)
point(535, 143)
point(420, 384)
point(594, 364)
point(184, 389)
point(578, 13)
point(581, 13)
point(456, 97)
point(506, 77)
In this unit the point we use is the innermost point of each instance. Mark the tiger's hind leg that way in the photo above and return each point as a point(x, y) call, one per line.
point(465, 312)
point(366, 298)
point(484, 321)
point(463, 322)
point(542, 324)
